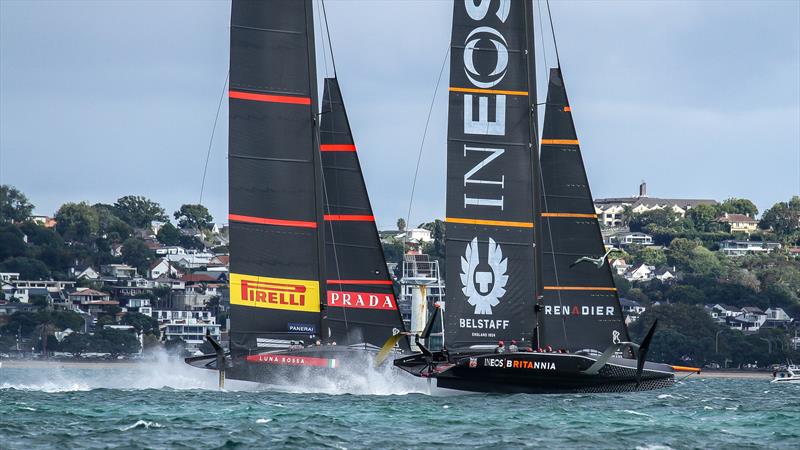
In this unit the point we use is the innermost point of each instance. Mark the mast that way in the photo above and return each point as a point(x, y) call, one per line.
point(275, 208)
point(535, 168)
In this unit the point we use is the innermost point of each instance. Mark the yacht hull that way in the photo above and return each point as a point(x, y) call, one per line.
point(536, 373)
point(289, 366)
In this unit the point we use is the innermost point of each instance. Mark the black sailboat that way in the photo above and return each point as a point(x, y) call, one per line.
point(309, 287)
point(525, 260)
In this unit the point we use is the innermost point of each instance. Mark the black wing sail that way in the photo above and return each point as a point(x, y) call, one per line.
point(361, 306)
point(275, 202)
point(581, 309)
point(490, 254)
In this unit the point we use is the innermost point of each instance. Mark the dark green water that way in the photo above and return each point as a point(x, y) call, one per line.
point(166, 405)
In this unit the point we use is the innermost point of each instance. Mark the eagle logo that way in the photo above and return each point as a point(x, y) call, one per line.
point(476, 283)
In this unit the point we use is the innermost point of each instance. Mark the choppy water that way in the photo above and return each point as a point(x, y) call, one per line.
point(166, 404)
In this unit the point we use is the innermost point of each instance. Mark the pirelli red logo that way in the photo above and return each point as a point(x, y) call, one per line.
point(274, 293)
point(365, 300)
point(283, 360)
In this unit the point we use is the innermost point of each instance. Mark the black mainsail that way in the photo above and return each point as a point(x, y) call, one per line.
point(581, 309)
point(520, 229)
point(490, 274)
point(275, 190)
point(361, 306)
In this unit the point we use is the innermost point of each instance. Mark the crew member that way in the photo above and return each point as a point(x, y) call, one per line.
point(513, 347)
point(500, 347)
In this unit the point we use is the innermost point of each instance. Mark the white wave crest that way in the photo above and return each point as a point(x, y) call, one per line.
point(142, 424)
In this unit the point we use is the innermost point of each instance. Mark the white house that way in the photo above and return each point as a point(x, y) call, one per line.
point(665, 273)
point(619, 265)
point(740, 248)
point(640, 272)
point(609, 210)
point(162, 267)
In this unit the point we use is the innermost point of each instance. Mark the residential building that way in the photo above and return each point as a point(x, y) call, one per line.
point(191, 331)
point(610, 210)
point(665, 274)
point(162, 267)
point(118, 271)
point(625, 239)
point(44, 221)
point(619, 266)
point(22, 290)
point(84, 273)
point(739, 223)
point(740, 248)
point(631, 309)
point(640, 272)
point(777, 318)
point(83, 296)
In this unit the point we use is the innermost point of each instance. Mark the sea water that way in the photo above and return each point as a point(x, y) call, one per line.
point(165, 404)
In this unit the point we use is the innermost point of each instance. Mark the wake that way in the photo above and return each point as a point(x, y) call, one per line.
point(164, 371)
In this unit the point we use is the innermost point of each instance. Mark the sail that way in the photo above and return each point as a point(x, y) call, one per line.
point(361, 306)
point(490, 215)
point(275, 204)
point(581, 308)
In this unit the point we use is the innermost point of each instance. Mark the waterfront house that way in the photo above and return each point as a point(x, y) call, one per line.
point(740, 248)
point(777, 318)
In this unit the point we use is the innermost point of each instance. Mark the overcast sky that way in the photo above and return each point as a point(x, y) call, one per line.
point(104, 99)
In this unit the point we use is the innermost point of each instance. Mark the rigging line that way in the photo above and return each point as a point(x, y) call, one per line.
point(322, 39)
point(211, 140)
point(422, 146)
point(328, 32)
point(552, 247)
point(541, 33)
point(553, 31)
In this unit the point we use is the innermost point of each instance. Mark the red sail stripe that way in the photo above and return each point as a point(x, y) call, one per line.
point(266, 221)
point(337, 148)
point(349, 218)
point(359, 282)
point(270, 98)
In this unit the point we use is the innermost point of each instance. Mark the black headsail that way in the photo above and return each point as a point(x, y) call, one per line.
point(581, 308)
point(361, 306)
point(275, 178)
point(490, 190)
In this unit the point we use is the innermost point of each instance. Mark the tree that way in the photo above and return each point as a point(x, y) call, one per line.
point(28, 268)
point(14, 205)
point(783, 217)
point(703, 216)
point(110, 226)
point(138, 211)
point(141, 322)
point(685, 332)
point(136, 254)
point(11, 243)
point(191, 242)
point(660, 217)
point(77, 344)
point(77, 222)
point(116, 342)
point(401, 224)
point(738, 206)
point(168, 234)
point(193, 217)
point(627, 215)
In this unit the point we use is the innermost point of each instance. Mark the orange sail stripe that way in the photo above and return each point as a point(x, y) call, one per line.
point(578, 288)
point(573, 215)
point(560, 142)
point(269, 98)
point(267, 221)
point(486, 91)
point(359, 282)
point(567, 109)
point(337, 148)
point(349, 218)
point(495, 223)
